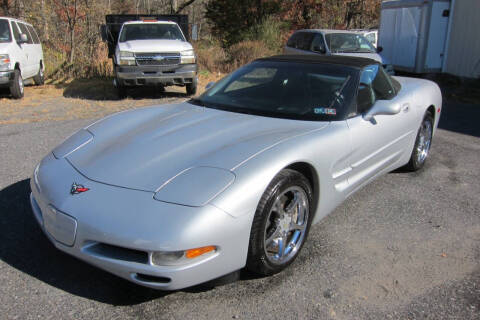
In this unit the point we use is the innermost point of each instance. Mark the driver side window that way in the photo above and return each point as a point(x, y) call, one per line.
point(374, 85)
point(318, 45)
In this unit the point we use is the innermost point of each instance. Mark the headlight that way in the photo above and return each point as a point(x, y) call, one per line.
point(196, 186)
point(73, 143)
point(4, 62)
point(127, 58)
point(172, 258)
point(187, 56)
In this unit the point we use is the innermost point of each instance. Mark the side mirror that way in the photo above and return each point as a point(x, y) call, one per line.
point(379, 49)
point(103, 32)
point(319, 49)
point(209, 85)
point(23, 38)
point(382, 107)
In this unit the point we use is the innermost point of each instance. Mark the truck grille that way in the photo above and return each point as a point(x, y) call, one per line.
point(158, 59)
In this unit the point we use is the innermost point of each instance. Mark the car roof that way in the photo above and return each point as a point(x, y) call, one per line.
point(15, 19)
point(348, 61)
point(327, 31)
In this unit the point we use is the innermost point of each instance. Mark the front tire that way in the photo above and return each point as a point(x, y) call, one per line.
point(422, 144)
point(192, 87)
point(122, 91)
point(16, 87)
point(281, 223)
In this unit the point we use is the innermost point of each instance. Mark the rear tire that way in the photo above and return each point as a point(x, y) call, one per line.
point(192, 87)
point(281, 223)
point(422, 145)
point(16, 87)
point(39, 79)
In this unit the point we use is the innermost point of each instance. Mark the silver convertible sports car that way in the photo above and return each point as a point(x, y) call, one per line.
point(175, 195)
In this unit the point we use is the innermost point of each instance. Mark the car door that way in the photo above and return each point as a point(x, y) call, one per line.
point(300, 43)
point(37, 54)
point(378, 144)
point(19, 52)
point(29, 49)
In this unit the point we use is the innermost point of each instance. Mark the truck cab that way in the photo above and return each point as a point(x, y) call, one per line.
point(150, 51)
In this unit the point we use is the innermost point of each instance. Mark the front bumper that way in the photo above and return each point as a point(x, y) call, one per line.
point(154, 75)
point(117, 229)
point(6, 78)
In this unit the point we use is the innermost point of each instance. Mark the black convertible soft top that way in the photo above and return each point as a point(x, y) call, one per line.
point(356, 62)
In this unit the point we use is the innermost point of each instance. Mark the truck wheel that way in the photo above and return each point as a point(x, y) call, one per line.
point(16, 87)
point(192, 87)
point(39, 79)
point(121, 90)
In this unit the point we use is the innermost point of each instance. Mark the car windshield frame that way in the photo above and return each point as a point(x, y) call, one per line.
point(338, 103)
point(329, 37)
point(4, 23)
point(174, 29)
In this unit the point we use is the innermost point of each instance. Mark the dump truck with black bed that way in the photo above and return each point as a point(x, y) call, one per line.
point(150, 50)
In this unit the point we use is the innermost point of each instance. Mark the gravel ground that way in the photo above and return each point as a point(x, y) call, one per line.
point(405, 247)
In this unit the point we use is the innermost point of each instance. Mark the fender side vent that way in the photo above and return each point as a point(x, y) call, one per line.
point(151, 279)
point(117, 253)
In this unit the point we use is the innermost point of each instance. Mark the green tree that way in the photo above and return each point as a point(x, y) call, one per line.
point(229, 19)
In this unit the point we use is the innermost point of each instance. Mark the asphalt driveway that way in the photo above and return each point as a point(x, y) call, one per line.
point(405, 247)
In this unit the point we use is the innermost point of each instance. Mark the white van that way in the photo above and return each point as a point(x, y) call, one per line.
point(21, 55)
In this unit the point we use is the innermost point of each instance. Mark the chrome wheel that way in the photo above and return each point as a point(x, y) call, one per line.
point(286, 225)
point(425, 140)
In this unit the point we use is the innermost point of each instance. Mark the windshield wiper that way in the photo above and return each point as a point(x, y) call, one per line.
point(338, 93)
point(196, 102)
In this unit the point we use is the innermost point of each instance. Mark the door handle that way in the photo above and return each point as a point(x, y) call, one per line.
point(406, 107)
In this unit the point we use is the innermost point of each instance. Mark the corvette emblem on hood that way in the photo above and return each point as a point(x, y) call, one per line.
point(77, 188)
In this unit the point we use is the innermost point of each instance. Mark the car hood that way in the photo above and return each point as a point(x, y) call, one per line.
point(154, 46)
point(374, 56)
point(145, 148)
point(4, 47)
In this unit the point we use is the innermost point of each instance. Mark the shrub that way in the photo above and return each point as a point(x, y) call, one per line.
point(211, 57)
point(272, 32)
point(245, 52)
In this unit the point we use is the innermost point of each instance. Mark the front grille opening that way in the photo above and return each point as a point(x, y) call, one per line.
point(151, 279)
point(117, 253)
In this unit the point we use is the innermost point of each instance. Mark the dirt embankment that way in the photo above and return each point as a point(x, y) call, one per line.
point(85, 99)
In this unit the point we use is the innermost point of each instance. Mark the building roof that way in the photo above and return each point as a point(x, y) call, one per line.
point(348, 61)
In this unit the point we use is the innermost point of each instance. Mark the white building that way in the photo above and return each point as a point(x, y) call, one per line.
point(432, 36)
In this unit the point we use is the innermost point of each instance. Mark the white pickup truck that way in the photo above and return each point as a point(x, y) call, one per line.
point(150, 51)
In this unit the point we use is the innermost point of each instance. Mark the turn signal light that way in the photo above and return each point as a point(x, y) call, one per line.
point(193, 253)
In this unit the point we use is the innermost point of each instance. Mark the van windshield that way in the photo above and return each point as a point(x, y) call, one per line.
point(149, 31)
point(5, 35)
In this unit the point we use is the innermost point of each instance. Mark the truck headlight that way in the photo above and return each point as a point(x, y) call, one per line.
point(127, 58)
point(4, 62)
point(187, 56)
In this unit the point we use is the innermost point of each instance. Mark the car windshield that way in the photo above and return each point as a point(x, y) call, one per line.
point(149, 31)
point(281, 89)
point(348, 42)
point(5, 35)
